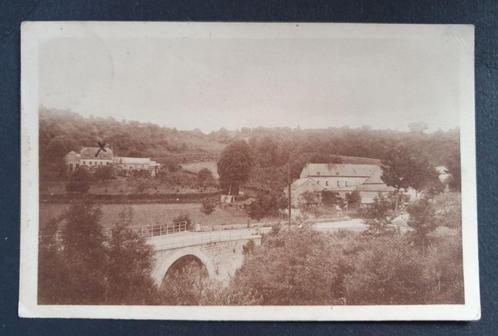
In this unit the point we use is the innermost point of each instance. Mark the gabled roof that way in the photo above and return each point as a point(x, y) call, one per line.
point(90, 153)
point(303, 181)
point(376, 177)
point(338, 169)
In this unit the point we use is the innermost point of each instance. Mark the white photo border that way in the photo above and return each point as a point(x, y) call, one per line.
point(35, 33)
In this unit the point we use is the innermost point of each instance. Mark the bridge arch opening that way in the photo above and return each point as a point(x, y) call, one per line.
point(186, 272)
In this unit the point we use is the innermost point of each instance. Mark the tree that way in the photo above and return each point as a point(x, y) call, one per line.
point(422, 221)
point(319, 157)
point(266, 152)
point(401, 170)
point(378, 216)
point(131, 261)
point(103, 173)
point(454, 168)
point(387, 271)
point(52, 155)
point(330, 198)
point(310, 198)
point(51, 272)
point(189, 284)
point(257, 209)
point(89, 267)
point(84, 255)
point(267, 204)
point(208, 206)
point(205, 177)
point(79, 181)
point(448, 210)
point(234, 167)
point(291, 267)
point(353, 199)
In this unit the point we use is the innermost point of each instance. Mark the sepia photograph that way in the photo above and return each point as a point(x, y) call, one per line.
point(248, 171)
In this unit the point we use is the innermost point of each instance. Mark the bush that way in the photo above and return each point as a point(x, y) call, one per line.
point(330, 198)
point(208, 206)
point(378, 216)
point(79, 181)
point(183, 218)
point(353, 199)
point(291, 267)
point(103, 173)
point(267, 204)
point(448, 210)
point(275, 228)
point(130, 264)
point(205, 178)
point(421, 220)
point(386, 271)
point(87, 266)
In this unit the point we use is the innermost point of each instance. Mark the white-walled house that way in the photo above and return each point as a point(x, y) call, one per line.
point(93, 157)
point(342, 179)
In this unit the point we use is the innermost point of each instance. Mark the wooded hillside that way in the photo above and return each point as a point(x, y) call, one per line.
point(271, 148)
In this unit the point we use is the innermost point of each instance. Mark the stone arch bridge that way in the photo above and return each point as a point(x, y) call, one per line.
point(221, 252)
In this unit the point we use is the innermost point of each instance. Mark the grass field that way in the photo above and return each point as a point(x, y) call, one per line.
point(147, 214)
point(123, 186)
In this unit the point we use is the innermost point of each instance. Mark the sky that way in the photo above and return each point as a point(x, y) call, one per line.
point(210, 83)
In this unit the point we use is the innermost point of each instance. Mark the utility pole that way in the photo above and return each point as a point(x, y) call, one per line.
point(289, 192)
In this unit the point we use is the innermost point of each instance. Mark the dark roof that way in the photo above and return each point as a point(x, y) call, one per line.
point(90, 153)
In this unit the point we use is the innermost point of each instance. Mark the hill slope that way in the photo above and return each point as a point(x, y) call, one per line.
point(63, 131)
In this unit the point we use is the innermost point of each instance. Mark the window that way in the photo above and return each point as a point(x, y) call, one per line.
point(327, 183)
point(346, 183)
point(338, 183)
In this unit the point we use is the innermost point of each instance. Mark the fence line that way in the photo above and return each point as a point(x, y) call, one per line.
point(153, 230)
point(200, 238)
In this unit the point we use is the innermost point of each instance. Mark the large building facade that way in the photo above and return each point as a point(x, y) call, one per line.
point(94, 157)
point(342, 179)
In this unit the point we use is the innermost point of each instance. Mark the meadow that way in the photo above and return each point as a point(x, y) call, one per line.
point(154, 213)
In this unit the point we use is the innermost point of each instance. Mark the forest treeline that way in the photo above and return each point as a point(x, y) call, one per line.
point(271, 148)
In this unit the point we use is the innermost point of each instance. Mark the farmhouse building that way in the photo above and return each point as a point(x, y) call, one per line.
point(341, 179)
point(92, 157)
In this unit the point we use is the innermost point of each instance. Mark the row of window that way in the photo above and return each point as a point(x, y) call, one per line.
point(95, 163)
point(100, 163)
point(344, 184)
